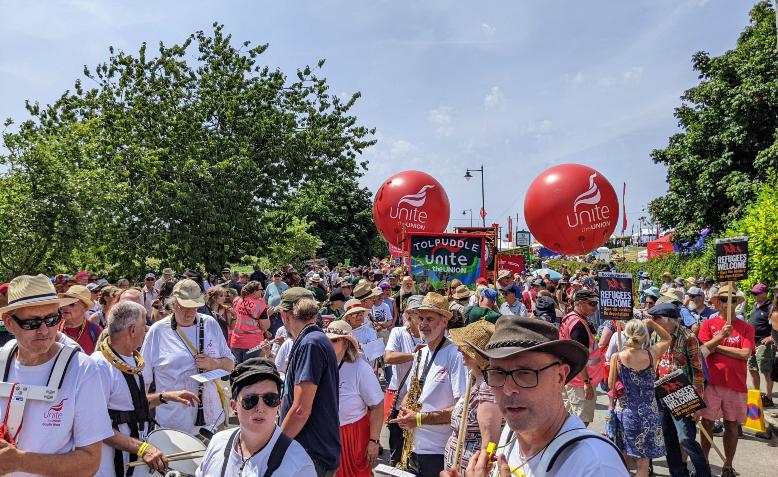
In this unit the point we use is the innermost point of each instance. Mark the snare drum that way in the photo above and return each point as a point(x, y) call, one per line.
point(171, 441)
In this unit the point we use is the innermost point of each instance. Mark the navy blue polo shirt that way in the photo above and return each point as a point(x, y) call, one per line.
point(313, 359)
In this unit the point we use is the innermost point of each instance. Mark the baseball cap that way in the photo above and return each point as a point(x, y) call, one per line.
point(414, 302)
point(150, 275)
point(668, 310)
point(291, 296)
point(91, 287)
point(82, 274)
point(695, 291)
point(759, 288)
point(188, 294)
point(251, 371)
point(489, 294)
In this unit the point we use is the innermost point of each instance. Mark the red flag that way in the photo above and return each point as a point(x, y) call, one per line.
point(483, 213)
point(624, 208)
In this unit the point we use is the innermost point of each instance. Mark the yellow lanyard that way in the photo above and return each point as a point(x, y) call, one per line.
point(193, 350)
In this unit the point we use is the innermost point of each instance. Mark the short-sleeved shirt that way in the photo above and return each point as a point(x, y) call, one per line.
point(273, 293)
point(444, 384)
point(295, 462)
point(359, 389)
point(119, 399)
point(587, 457)
point(475, 313)
point(401, 340)
point(724, 370)
point(760, 321)
point(312, 359)
point(516, 309)
point(170, 363)
point(86, 337)
point(78, 416)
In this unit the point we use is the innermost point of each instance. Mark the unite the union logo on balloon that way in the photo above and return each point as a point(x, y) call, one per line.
point(593, 217)
point(408, 202)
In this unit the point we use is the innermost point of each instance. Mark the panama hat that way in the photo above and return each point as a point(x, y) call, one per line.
point(80, 293)
point(519, 334)
point(437, 303)
point(362, 290)
point(475, 334)
point(353, 310)
point(339, 329)
point(723, 293)
point(33, 290)
point(461, 293)
point(188, 294)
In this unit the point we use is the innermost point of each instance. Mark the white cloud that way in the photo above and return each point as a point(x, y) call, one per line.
point(605, 81)
point(577, 78)
point(401, 149)
point(488, 29)
point(441, 115)
point(494, 100)
point(633, 74)
point(444, 131)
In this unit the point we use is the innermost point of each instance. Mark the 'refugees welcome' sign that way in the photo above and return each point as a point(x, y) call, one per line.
point(442, 257)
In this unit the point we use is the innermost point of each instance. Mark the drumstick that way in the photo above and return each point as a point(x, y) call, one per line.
point(172, 457)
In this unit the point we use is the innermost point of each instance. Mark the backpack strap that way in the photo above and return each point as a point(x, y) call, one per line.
point(64, 357)
point(567, 439)
point(6, 358)
point(277, 454)
point(227, 450)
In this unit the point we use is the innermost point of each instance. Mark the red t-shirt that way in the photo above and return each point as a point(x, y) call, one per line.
point(723, 370)
point(85, 339)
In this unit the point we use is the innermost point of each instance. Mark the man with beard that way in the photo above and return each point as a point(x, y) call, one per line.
point(528, 368)
point(407, 289)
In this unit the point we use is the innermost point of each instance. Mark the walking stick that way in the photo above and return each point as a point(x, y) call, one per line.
point(463, 422)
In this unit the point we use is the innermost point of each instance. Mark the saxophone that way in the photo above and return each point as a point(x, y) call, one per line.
point(412, 404)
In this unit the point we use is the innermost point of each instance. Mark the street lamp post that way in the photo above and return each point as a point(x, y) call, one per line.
point(464, 212)
point(468, 176)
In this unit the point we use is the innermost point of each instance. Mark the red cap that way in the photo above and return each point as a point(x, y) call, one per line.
point(82, 274)
point(482, 281)
point(4, 288)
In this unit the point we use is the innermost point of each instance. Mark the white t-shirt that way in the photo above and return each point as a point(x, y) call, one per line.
point(282, 356)
point(295, 463)
point(613, 345)
point(66, 340)
point(365, 333)
point(170, 363)
point(148, 298)
point(586, 458)
point(445, 383)
point(118, 394)
point(358, 389)
point(78, 416)
point(402, 341)
point(382, 313)
point(279, 333)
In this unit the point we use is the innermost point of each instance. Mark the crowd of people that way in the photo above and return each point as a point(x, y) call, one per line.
point(300, 372)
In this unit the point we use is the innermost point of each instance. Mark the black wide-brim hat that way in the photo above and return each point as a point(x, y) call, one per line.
point(514, 335)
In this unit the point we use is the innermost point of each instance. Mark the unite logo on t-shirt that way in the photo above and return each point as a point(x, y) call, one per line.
point(53, 416)
point(440, 376)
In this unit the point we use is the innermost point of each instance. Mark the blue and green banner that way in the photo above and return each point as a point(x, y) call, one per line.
point(440, 258)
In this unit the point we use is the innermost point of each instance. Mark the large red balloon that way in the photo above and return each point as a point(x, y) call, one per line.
point(571, 209)
point(410, 199)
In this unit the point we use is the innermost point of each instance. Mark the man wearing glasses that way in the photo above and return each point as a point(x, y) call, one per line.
point(579, 395)
point(258, 447)
point(60, 437)
point(528, 368)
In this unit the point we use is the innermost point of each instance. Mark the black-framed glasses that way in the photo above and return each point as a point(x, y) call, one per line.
point(523, 377)
point(250, 401)
point(723, 299)
point(35, 323)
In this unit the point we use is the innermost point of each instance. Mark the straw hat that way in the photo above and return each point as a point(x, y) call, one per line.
point(188, 294)
point(362, 290)
point(353, 310)
point(461, 293)
point(81, 293)
point(339, 329)
point(28, 290)
point(723, 292)
point(475, 334)
point(437, 303)
point(315, 278)
point(351, 304)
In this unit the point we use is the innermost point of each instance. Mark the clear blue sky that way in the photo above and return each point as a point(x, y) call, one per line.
point(517, 86)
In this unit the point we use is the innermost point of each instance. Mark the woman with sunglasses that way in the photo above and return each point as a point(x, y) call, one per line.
point(360, 405)
point(257, 446)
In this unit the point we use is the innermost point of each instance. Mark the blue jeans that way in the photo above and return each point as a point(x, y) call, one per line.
point(682, 432)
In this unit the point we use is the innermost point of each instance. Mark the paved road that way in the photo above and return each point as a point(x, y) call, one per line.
point(754, 458)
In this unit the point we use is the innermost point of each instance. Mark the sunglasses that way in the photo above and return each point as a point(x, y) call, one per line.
point(250, 401)
point(723, 299)
point(35, 323)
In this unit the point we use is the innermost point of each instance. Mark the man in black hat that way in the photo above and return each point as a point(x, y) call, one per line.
point(528, 368)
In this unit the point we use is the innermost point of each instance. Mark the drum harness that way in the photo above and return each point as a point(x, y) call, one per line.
point(273, 462)
point(14, 412)
point(135, 419)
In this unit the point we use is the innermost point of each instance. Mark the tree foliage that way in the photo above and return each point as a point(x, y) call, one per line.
point(177, 158)
point(729, 142)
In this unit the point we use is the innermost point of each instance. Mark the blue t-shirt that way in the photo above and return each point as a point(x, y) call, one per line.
point(313, 359)
point(273, 293)
point(688, 318)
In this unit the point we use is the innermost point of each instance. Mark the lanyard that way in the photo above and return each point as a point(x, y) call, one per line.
point(185, 341)
point(429, 362)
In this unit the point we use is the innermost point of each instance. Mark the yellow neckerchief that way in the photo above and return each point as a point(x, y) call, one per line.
point(112, 357)
point(193, 350)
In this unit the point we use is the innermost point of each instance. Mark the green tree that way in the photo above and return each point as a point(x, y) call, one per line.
point(729, 142)
point(186, 152)
point(342, 216)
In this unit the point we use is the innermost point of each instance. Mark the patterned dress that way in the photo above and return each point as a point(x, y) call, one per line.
point(638, 414)
point(480, 393)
